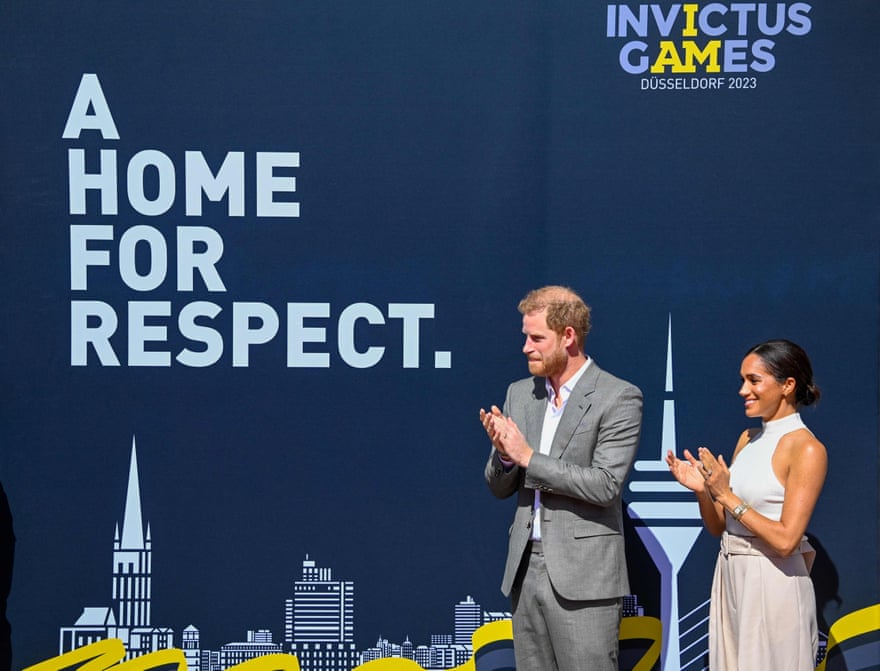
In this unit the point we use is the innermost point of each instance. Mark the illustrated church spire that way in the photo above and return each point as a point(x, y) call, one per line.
point(132, 558)
point(132, 523)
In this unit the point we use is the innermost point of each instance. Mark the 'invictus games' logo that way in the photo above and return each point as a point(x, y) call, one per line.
point(707, 46)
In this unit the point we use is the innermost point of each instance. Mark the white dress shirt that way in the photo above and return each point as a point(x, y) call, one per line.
point(552, 415)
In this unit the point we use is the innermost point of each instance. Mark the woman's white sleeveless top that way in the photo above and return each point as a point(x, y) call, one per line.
point(751, 476)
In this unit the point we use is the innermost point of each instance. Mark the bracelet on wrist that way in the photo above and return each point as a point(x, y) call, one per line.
point(740, 510)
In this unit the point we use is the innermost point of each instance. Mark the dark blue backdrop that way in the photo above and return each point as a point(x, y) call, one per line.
point(455, 154)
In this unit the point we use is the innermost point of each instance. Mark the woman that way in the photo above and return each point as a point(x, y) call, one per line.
point(763, 610)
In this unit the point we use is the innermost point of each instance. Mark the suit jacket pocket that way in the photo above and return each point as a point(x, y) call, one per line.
point(588, 528)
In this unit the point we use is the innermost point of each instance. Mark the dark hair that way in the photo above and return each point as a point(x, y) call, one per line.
point(784, 359)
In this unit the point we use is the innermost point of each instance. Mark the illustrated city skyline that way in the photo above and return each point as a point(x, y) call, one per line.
point(318, 618)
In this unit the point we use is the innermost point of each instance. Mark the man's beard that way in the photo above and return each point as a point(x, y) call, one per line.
point(550, 365)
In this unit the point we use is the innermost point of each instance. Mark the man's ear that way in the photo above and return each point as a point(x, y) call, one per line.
point(569, 337)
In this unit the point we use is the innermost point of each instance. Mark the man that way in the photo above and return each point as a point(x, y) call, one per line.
point(564, 444)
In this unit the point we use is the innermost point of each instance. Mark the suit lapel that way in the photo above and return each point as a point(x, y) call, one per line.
point(535, 413)
point(575, 409)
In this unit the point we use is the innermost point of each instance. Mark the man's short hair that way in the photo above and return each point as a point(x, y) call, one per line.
point(563, 308)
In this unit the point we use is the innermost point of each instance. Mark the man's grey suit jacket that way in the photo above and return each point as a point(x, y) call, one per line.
point(580, 482)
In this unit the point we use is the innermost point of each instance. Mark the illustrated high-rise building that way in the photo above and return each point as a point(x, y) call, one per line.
point(468, 618)
point(319, 620)
point(407, 649)
point(191, 645)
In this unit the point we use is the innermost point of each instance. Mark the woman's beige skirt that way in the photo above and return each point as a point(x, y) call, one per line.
point(762, 616)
